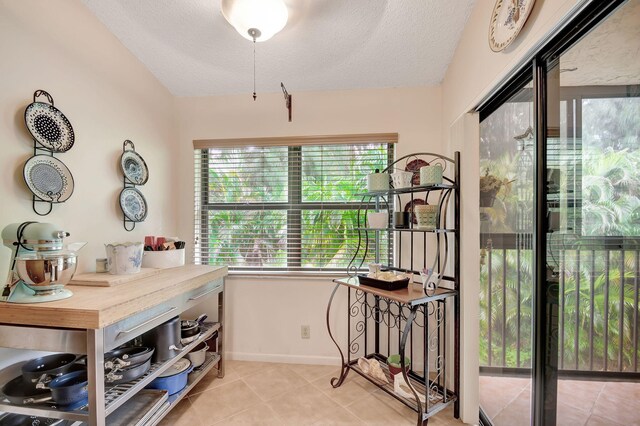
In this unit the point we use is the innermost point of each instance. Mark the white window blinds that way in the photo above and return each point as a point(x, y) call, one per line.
point(289, 207)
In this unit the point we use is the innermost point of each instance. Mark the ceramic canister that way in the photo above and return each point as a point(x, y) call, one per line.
point(401, 179)
point(124, 258)
point(427, 216)
point(378, 181)
point(431, 175)
point(378, 220)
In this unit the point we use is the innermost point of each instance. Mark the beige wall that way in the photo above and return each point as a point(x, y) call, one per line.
point(108, 96)
point(265, 314)
point(474, 71)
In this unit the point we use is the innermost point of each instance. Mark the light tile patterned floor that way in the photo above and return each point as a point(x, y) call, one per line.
point(506, 400)
point(257, 393)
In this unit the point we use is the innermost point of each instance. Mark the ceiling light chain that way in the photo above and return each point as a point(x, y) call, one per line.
point(254, 33)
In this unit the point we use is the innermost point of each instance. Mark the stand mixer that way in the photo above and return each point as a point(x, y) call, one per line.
point(40, 266)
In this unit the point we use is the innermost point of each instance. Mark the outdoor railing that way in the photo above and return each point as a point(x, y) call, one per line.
point(597, 308)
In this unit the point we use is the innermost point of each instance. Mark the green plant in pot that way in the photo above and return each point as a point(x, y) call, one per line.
point(490, 185)
point(393, 361)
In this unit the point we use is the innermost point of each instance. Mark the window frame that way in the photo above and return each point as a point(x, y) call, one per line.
point(295, 205)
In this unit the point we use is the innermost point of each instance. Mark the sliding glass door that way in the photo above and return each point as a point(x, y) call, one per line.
point(593, 219)
point(560, 230)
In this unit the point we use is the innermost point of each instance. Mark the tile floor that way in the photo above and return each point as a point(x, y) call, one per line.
point(256, 393)
point(580, 403)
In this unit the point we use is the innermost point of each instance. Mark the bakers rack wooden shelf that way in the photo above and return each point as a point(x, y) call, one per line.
point(421, 321)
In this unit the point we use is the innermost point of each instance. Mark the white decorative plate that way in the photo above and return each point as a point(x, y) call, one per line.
point(134, 167)
point(133, 204)
point(507, 19)
point(48, 178)
point(49, 126)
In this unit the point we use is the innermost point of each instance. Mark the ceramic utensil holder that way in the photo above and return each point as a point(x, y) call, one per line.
point(163, 259)
point(378, 220)
point(431, 175)
point(124, 259)
point(427, 216)
point(378, 182)
point(401, 179)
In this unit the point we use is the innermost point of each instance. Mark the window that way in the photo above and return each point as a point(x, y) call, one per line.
point(283, 205)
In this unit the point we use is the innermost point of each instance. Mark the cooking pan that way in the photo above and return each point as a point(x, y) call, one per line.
point(120, 358)
point(43, 369)
point(165, 338)
point(127, 374)
point(69, 388)
point(190, 328)
point(23, 420)
point(19, 392)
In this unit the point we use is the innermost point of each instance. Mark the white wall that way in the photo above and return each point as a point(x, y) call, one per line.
point(265, 314)
point(108, 96)
point(474, 71)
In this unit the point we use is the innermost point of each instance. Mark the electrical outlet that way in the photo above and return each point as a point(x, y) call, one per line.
point(305, 332)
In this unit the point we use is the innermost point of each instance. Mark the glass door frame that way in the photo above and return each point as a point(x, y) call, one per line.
point(545, 351)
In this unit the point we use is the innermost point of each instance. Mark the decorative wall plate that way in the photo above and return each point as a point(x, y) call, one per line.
point(48, 178)
point(507, 19)
point(414, 166)
point(49, 126)
point(134, 167)
point(133, 204)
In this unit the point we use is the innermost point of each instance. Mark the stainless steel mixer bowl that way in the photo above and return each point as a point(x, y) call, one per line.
point(47, 273)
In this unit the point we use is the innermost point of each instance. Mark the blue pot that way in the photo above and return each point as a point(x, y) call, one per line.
point(174, 379)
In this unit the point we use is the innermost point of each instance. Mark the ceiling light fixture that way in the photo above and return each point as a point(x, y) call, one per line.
point(255, 20)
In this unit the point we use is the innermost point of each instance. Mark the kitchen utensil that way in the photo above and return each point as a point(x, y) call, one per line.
point(401, 179)
point(212, 342)
point(431, 175)
point(17, 391)
point(165, 338)
point(180, 245)
point(414, 167)
point(125, 258)
point(159, 242)
point(47, 125)
point(427, 216)
point(134, 167)
point(43, 369)
point(133, 204)
point(198, 355)
point(11, 419)
point(377, 181)
point(127, 374)
point(46, 272)
point(174, 379)
point(378, 220)
point(39, 267)
point(69, 388)
point(48, 178)
point(410, 206)
point(125, 357)
point(189, 328)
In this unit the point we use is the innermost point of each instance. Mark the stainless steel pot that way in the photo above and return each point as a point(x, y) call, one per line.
point(198, 355)
point(47, 271)
point(165, 338)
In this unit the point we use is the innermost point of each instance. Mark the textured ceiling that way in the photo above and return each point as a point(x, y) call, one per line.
point(327, 44)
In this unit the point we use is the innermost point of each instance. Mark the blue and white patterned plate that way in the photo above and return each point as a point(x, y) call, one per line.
point(48, 178)
point(134, 167)
point(133, 204)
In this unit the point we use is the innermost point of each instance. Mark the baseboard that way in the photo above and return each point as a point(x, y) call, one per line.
point(285, 359)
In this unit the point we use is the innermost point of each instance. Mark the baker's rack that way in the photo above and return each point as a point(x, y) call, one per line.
point(421, 323)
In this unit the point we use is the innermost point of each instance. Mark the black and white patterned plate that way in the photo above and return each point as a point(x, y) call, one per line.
point(48, 125)
point(48, 178)
point(133, 204)
point(134, 167)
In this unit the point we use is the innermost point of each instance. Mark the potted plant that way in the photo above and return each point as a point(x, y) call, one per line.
point(393, 361)
point(490, 185)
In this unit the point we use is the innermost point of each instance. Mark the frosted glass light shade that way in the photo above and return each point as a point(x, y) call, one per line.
point(268, 16)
